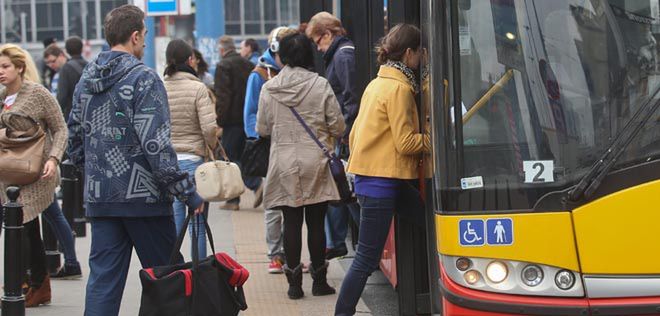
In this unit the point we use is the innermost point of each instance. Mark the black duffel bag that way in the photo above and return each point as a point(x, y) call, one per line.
point(254, 160)
point(212, 286)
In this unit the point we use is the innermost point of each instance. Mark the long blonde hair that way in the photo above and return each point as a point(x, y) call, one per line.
point(21, 59)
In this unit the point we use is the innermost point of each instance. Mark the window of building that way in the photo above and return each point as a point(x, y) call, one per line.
point(258, 17)
point(30, 21)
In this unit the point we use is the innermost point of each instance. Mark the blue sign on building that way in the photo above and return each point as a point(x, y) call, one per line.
point(471, 232)
point(162, 7)
point(499, 231)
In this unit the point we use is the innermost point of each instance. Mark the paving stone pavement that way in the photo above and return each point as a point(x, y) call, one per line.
point(239, 233)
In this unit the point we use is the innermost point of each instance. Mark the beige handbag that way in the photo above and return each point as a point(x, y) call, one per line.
point(219, 180)
point(21, 154)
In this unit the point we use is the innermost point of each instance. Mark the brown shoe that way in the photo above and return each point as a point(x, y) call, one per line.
point(38, 296)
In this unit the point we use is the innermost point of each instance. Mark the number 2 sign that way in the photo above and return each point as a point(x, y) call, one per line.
point(539, 171)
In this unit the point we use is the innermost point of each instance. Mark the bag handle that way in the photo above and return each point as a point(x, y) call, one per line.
point(222, 152)
point(309, 131)
point(182, 235)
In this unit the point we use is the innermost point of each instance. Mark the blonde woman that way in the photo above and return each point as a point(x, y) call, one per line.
point(25, 101)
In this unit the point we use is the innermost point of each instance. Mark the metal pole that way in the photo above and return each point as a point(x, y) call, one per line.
point(13, 302)
point(65, 18)
point(33, 19)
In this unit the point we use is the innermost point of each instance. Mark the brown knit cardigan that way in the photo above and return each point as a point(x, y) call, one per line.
point(35, 101)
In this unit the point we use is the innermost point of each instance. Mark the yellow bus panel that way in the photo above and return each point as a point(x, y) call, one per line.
point(543, 238)
point(620, 233)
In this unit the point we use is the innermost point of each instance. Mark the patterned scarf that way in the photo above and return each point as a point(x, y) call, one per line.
point(409, 73)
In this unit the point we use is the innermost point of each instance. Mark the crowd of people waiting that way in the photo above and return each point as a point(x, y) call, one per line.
point(138, 139)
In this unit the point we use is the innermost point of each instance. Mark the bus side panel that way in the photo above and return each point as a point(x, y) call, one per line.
point(388, 260)
point(619, 233)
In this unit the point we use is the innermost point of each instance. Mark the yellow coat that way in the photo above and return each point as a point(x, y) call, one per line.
point(385, 140)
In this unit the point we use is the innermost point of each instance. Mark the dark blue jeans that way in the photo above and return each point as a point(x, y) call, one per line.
point(55, 218)
point(336, 223)
point(375, 220)
point(113, 240)
point(233, 141)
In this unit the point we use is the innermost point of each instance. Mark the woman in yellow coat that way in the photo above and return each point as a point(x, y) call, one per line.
point(386, 145)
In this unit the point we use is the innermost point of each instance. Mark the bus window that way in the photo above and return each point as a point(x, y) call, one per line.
point(550, 83)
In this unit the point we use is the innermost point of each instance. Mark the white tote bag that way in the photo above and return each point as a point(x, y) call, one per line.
point(219, 180)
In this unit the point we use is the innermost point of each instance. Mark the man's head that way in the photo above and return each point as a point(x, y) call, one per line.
point(124, 29)
point(226, 44)
point(73, 46)
point(54, 57)
point(248, 47)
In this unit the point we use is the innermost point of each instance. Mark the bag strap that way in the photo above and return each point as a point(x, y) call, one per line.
point(309, 131)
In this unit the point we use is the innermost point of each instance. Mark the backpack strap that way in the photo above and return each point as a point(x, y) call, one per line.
point(265, 72)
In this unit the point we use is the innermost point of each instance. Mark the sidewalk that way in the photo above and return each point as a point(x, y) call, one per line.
point(239, 233)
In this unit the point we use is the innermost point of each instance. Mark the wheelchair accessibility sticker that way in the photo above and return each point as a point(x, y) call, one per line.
point(494, 232)
point(471, 232)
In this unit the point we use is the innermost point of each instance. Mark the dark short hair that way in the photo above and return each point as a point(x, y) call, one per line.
point(176, 53)
point(254, 46)
point(73, 46)
point(53, 50)
point(121, 22)
point(296, 50)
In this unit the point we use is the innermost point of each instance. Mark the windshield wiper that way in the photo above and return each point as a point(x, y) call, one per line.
point(592, 180)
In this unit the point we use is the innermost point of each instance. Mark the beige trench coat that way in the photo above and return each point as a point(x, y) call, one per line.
point(36, 102)
point(298, 172)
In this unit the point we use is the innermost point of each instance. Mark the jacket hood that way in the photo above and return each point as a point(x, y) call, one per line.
point(268, 61)
point(291, 85)
point(108, 68)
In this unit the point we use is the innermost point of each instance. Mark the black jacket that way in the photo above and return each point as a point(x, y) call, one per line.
point(340, 72)
point(231, 76)
point(69, 77)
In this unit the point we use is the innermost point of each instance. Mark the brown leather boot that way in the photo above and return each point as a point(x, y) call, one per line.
point(38, 296)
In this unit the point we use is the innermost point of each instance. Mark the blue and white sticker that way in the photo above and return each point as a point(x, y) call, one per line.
point(471, 232)
point(472, 183)
point(499, 231)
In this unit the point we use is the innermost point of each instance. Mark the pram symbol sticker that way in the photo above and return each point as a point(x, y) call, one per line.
point(471, 232)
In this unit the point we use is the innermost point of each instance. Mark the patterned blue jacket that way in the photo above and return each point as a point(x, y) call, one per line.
point(119, 131)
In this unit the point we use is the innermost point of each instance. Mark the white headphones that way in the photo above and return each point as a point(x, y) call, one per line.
point(274, 43)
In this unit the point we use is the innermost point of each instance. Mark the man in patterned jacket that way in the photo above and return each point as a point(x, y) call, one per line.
point(120, 134)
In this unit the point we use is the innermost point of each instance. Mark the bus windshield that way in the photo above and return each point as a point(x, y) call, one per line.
point(545, 88)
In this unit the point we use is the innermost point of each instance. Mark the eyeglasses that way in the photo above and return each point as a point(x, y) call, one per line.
point(51, 61)
point(318, 41)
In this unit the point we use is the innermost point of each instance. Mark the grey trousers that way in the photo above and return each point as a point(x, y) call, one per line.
point(274, 233)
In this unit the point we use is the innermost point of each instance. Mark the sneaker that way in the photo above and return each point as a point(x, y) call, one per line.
point(275, 266)
point(232, 206)
point(68, 272)
point(258, 196)
point(336, 252)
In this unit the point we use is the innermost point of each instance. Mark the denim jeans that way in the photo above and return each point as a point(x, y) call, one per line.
point(55, 218)
point(336, 223)
point(180, 211)
point(233, 141)
point(113, 240)
point(375, 220)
